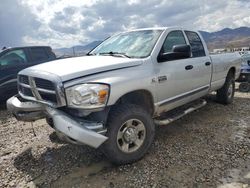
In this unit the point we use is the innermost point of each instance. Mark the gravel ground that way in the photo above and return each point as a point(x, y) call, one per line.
point(207, 148)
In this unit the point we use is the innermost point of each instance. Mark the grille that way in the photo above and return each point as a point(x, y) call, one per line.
point(48, 97)
point(38, 89)
point(26, 91)
point(45, 84)
point(24, 79)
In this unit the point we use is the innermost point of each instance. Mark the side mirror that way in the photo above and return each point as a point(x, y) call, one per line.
point(178, 52)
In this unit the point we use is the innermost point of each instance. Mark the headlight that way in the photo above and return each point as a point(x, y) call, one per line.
point(87, 96)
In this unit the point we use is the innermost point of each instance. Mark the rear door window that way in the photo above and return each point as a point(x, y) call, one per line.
point(15, 57)
point(39, 54)
point(196, 44)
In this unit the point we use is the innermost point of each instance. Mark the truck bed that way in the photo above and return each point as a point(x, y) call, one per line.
point(221, 64)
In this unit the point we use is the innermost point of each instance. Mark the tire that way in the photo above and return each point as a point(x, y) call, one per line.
point(49, 121)
point(225, 94)
point(130, 132)
point(244, 87)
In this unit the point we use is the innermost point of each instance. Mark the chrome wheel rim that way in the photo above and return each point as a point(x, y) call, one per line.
point(131, 136)
point(230, 90)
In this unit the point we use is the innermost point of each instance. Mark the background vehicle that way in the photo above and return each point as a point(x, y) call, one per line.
point(114, 97)
point(13, 60)
point(245, 74)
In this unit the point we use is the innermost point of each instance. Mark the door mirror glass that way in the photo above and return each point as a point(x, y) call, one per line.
point(178, 52)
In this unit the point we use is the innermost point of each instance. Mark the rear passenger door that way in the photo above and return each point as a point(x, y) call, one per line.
point(202, 65)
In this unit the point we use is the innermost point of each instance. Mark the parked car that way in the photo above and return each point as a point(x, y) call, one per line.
point(113, 97)
point(13, 60)
point(244, 78)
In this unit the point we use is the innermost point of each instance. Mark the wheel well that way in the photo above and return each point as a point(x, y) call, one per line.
point(231, 71)
point(141, 98)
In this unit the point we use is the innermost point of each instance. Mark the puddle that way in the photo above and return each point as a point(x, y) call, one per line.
point(48, 158)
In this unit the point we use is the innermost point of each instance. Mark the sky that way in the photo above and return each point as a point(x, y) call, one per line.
point(64, 23)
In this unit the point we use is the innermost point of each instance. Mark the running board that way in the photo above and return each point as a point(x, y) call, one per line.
point(175, 114)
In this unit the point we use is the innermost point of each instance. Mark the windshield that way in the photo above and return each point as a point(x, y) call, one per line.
point(134, 44)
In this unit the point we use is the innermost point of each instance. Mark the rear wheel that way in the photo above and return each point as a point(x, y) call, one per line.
point(225, 95)
point(130, 134)
point(244, 87)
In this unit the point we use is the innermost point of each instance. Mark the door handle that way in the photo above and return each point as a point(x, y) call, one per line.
point(189, 67)
point(208, 63)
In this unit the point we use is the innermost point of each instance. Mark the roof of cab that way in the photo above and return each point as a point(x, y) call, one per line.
point(157, 28)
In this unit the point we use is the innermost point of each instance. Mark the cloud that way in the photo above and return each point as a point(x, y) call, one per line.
point(63, 23)
point(16, 21)
point(230, 14)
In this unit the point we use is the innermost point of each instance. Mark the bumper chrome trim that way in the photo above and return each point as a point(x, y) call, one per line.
point(25, 111)
point(71, 128)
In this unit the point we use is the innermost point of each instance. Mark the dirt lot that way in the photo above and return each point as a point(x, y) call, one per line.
point(208, 148)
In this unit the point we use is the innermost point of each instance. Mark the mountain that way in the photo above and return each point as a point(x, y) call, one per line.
point(227, 38)
point(77, 50)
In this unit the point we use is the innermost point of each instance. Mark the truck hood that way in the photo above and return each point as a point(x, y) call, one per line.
point(71, 68)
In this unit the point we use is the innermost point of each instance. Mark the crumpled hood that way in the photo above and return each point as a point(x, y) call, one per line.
point(71, 68)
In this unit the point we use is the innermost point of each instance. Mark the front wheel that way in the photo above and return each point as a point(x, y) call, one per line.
point(130, 134)
point(225, 95)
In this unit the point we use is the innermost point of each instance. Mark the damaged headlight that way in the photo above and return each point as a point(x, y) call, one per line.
point(87, 96)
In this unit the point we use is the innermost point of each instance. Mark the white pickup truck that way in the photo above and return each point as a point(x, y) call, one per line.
point(113, 97)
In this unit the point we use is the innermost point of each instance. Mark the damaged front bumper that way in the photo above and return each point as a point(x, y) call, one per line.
point(80, 131)
point(25, 111)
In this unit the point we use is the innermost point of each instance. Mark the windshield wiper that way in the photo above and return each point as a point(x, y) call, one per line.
point(120, 54)
point(90, 54)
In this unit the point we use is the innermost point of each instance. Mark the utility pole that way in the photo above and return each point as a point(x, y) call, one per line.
point(74, 51)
